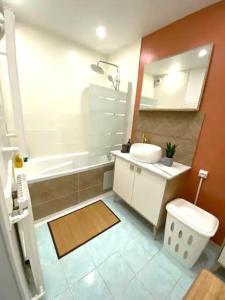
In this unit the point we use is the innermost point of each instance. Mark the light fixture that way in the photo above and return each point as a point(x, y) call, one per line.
point(202, 53)
point(101, 32)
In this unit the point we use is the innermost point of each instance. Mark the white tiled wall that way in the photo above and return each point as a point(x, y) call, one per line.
point(54, 76)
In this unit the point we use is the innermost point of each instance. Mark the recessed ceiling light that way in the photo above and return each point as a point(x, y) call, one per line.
point(101, 32)
point(202, 53)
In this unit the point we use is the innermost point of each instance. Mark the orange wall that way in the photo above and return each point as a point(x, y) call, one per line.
point(203, 27)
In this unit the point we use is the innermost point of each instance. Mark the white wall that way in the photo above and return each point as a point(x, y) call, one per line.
point(176, 90)
point(147, 86)
point(194, 87)
point(54, 74)
point(128, 61)
point(170, 92)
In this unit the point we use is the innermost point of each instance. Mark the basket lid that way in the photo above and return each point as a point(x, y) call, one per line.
point(193, 216)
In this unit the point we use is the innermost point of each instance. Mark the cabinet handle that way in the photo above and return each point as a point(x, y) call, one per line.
point(131, 167)
point(139, 170)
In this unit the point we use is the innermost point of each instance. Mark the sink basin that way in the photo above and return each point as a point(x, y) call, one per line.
point(147, 153)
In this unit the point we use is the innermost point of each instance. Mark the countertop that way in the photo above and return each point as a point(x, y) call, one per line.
point(206, 287)
point(167, 172)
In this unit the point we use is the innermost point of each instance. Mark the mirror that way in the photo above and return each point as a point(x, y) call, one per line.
point(176, 82)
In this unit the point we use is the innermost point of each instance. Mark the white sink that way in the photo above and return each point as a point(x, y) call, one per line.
point(147, 153)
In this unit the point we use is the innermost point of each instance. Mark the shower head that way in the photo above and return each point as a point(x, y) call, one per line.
point(110, 78)
point(97, 69)
point(115, 81)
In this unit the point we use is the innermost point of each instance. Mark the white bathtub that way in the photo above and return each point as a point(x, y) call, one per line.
point(44, 168)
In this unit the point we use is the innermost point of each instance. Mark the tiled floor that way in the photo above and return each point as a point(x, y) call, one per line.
point(122, 263)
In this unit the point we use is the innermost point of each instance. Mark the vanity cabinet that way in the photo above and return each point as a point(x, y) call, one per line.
point(123, 179)
point(146, 192)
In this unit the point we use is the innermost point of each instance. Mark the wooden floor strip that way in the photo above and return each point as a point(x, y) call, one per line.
point(73, 230)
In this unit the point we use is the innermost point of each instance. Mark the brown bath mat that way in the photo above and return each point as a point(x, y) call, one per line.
point(76, 228)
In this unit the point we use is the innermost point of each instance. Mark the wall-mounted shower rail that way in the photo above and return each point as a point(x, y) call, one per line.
point(13, 80)
point(10, 149)
point(9, 135)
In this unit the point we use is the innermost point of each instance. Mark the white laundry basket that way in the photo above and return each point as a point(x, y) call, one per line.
point(188, 229)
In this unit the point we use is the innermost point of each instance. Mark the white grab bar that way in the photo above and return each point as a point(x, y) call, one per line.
point(9, 149)
point(10, 134)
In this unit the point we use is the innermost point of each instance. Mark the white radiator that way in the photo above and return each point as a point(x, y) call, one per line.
point(25, 222)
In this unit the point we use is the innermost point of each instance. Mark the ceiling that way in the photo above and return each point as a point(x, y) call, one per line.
point(125, 20)
point(183, 61)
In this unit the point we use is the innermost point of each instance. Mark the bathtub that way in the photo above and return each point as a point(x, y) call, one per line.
point(59, 182)
point(45, 168)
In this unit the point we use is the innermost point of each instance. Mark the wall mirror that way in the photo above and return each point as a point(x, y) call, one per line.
point(176, 82)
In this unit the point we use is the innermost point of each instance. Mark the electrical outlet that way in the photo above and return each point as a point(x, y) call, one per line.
point(203, 173)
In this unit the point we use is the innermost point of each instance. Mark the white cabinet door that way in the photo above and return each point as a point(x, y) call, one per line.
point(148, 194)
point(123, 179)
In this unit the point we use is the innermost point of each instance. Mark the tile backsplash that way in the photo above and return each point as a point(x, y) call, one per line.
point(181, 128)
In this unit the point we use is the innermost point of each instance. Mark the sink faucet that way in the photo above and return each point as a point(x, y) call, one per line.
point(144, 139)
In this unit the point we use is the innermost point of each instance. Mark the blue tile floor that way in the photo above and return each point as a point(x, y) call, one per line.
point(124, 262)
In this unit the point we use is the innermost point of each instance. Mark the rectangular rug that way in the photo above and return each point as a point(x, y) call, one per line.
point(74, 229)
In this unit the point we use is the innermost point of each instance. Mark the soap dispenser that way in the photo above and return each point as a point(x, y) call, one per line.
point(18, 161)
point(126, 147)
